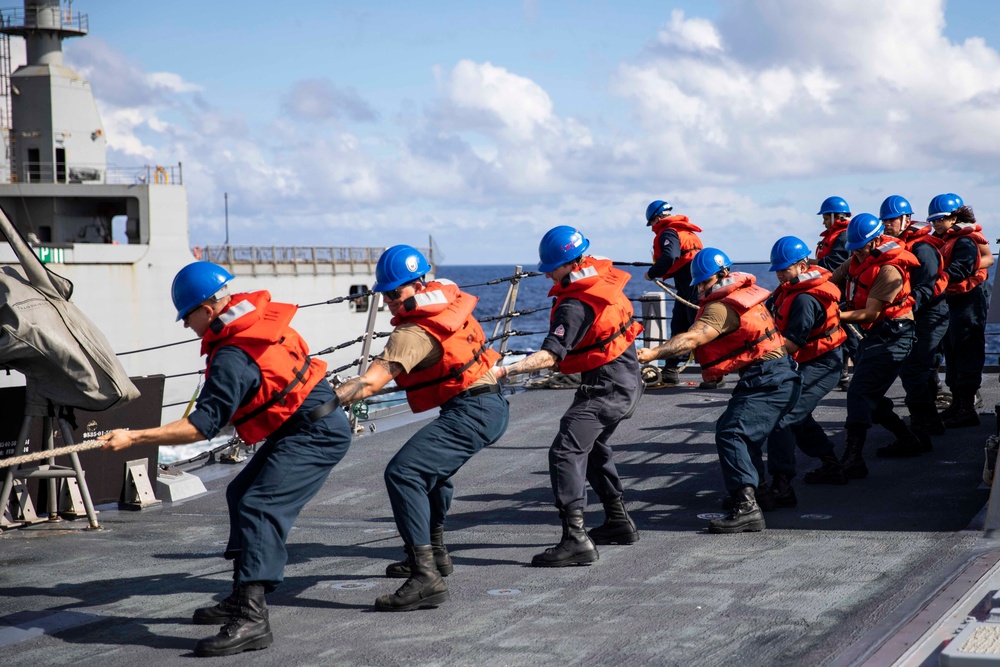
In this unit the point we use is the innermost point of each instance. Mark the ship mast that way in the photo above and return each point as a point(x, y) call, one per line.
point(54, 131)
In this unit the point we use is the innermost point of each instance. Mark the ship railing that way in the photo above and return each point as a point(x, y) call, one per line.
point(57, 18)
point(76, 173)
point(299, 256)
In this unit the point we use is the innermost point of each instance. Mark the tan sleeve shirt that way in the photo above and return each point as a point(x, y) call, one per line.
point(726, 320)
point(886, 287)
point(414, 349)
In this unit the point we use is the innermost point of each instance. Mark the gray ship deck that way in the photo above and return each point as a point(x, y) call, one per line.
point(851, 571)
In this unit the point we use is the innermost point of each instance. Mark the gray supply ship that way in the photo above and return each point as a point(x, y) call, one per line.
point(59, 190)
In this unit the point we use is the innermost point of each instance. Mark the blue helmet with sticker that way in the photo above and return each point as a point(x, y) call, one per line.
point(786, 251)
point(834, 205)
point(656, 209)
point(399, 265)
point(863, 228)
point(559, 246)
point(943, 205)
point(707, 263)
point(893, 207)
point(195, 283)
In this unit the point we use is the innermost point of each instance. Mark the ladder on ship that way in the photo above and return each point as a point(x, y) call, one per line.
point(5, 106)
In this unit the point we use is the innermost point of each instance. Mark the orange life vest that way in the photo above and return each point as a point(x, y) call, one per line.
point(261, 328)
point(923, 232)
point(861, 276)
point(829, 236)
point(828, 334)
point(756, 336)
point(599, 285)
point(445, 312)
point(975, 233)
point(687, 234)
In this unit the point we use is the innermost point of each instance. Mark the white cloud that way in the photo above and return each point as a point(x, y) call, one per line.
point(690, 34)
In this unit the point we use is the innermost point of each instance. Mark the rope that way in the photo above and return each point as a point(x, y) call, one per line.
point(158, 347)
point(516, 313)
point(50, 453)
point(515, 333)
point(674, 294)
point(506, 279)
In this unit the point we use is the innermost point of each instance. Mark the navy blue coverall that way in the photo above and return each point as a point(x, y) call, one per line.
point(580, 452)
point(681, 316)
point(288, 469)
point(819, 377)
point(965, 344)
point(418, 478)
point(930, 313)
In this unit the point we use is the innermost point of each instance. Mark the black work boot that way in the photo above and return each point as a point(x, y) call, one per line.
point(670, 376)
point(618, 527)
point(425, 587)
point(907, 443)
point(830, 472)
point(220, 614)
point(745, 517)
point(248, 630)
point(925, 417)
point(782, 493)
point(965, 413)
point(763, 493)
point(852, 461)
point(575, 548)
point(442, 560)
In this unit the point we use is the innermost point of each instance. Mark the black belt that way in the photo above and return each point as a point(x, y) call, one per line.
point(479, 391)
point(321, 411)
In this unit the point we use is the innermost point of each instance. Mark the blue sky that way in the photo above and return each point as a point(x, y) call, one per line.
point(485, 124)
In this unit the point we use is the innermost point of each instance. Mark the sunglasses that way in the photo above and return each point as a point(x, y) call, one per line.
point(393, 294)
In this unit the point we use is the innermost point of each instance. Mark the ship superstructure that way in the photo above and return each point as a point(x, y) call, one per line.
point(121, 234)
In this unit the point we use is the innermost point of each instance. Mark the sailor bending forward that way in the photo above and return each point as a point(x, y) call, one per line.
point(733, 331)
point(591, 332)
point(259, 377)
point(438, 354)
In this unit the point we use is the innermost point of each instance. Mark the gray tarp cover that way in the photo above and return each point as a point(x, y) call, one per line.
point(66, 359)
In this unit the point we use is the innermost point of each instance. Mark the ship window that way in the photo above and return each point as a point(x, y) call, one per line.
point(34, 165)
point(360, 302)
point(60, 165)
point(119, 233)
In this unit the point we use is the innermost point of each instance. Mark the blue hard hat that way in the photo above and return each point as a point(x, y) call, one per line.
point(958, 200)
point(195, 283)
point(399, 265)
point(893, 207)
point(943, 205)
point(559, 246)
point(707, 263)
point(655, 209)
point(834, 205)
point(863, 228)
point(786, 251)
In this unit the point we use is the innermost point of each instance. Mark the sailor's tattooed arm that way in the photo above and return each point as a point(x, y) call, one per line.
point(680, 345)
point(535, 362)
point(377, 376)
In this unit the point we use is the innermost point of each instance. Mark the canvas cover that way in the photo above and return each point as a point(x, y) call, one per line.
point(66, 359)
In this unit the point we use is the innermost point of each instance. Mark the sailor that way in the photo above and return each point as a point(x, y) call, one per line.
point(675, 244)
point(806, 309)
point(930, 311)
point(260, 378)
point(967, 258)
point(877, 285)
point(734, 331)
point(591, 332)
point(831, 252)
point(437, 353)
